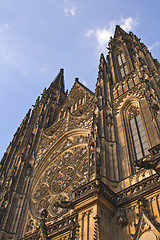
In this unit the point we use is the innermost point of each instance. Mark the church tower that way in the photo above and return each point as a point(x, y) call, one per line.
point(86, 165)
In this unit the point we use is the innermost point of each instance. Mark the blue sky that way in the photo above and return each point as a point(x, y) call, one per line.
point(38, 37)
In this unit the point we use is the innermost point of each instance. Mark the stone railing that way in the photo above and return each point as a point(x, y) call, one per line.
point(138, 189)
point(64, 224)
point(93, 187)
point(67, 224)
point(97, 187)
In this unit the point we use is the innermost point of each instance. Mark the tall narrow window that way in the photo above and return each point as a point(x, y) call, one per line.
point(122, 65)
point(138, 133)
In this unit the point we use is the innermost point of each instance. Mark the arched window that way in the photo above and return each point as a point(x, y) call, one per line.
point(138, 134)
point(122, 65)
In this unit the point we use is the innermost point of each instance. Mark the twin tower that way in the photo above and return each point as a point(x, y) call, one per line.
point(84, 165)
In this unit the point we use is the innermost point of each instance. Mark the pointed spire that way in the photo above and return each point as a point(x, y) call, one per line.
point(58, 83)
point(26, 118)
point(24, 121)
point(119, 31)
point(102, 61)
point(102, 65)
point(101, 75)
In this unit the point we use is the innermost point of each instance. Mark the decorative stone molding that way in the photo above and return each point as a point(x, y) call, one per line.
point(128, 194)
point(68, 225)
point(136, 93)
point(121, 217)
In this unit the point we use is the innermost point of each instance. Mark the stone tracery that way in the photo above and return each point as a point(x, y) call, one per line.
point(66, 171)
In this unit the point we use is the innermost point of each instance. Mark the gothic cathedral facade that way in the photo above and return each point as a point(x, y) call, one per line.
point(84, 165)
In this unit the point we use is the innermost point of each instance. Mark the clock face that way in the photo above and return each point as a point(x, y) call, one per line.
point(149, 235)
point(66, 171)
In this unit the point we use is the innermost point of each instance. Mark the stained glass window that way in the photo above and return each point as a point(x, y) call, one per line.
point(138, 134)
point(122, 64)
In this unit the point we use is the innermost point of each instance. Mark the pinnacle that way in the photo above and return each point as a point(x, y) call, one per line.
point(102, 59)
point(76, 79)
point(102, 67)
point(27, 116)
point(58, 83)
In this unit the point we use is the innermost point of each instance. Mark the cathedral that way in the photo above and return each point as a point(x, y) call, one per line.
point(84, 165)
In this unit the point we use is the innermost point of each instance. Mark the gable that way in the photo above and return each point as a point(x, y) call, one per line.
point(78, 95)
point(147, 228)
point(75, 112)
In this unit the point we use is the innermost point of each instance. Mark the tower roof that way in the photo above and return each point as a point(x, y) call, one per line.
point(119, 31)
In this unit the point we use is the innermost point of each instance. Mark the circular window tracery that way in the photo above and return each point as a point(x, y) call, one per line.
point(64, 173)
point(62, 179)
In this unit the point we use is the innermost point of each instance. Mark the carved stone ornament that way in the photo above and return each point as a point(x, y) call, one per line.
point(147, 227)
point(81, 117)
point(121, 217)
point(136, 92)
point(133, 111)
point(65, 172)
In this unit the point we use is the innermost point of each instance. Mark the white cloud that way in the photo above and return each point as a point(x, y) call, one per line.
point(69, 7)
point(128, 23)
point(89, 33)
point(44, 69)
point(4, 27)
point(154, 45)
point(102, 35)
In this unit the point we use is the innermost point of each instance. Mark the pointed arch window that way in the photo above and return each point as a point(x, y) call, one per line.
point(122, 65)
point(138, 133)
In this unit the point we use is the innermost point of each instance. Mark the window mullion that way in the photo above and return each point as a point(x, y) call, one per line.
point(139, 136)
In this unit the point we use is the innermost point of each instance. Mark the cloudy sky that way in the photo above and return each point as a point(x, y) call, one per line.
point(38, 37)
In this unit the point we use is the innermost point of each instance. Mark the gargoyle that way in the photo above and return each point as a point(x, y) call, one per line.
point(64, 204)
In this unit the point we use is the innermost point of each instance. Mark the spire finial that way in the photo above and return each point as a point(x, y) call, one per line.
point(58, 83)
point(76, 79)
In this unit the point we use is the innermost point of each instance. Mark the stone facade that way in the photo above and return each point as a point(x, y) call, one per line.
point(86, 165)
